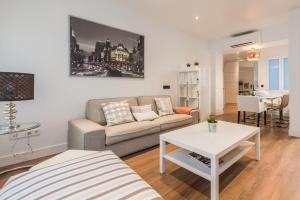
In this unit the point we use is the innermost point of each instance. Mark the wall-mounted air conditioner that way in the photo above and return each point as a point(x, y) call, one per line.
point(238, 42)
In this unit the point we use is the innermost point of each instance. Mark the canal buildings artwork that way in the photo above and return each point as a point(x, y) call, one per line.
point(103, 51)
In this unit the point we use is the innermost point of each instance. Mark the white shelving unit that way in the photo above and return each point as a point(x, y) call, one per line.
point(189, 88)
point(194, 89)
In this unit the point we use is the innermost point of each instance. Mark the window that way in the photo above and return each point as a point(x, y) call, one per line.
point(285, 74)
point(274, 74)
point(279, 74)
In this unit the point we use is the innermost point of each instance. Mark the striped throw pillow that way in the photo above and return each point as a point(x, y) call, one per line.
point(164, 106)
point(117, 113)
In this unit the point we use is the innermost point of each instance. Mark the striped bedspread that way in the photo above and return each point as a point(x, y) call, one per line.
point(100, 175)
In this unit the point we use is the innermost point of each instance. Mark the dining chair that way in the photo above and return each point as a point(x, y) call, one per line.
point(251, 104)
point(281, 106)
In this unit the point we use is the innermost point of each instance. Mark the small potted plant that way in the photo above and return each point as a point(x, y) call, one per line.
point(188, 65)
point(212, 123)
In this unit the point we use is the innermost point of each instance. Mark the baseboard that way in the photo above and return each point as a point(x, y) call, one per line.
point(37, 153)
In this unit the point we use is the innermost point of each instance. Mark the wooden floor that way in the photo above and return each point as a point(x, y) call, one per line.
point(275, 177)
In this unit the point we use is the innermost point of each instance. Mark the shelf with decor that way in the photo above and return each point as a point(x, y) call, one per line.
point(193, 89)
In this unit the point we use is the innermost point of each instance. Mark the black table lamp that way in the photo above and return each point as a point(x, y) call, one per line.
point(15, 87)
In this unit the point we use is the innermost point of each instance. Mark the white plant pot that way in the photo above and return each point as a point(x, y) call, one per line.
point(212, 127)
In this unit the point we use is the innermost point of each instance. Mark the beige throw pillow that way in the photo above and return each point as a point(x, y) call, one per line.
point(164, 106)
point(145, 116)
point(117, 113)
point(143, 113)
point(141, 109)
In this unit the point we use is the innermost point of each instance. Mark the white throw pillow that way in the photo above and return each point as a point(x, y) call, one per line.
point(140, 109)
point(164, 106)
point(145, 116)
point(117, 113)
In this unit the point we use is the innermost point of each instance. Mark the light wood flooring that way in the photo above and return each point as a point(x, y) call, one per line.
point(275, 177)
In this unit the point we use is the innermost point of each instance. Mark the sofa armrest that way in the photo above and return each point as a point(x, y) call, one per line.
point(85, 134)
point(196, 116)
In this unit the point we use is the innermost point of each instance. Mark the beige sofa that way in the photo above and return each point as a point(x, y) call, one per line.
point(91, 133)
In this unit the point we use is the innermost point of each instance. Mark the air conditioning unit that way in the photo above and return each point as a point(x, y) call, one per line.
point(245, 40)
point(239, 42)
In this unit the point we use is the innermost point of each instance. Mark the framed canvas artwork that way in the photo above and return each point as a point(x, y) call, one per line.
point(104, 51)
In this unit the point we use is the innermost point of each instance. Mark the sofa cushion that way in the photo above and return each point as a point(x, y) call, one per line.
point(183, 110)
point(173, 121)
point(122, 132)
point(164, 106)
point(145, 100)
point(117, 113)
point(94, 110)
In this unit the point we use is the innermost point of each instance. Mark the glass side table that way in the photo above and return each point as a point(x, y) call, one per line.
point(4, 129)
point(26, 128)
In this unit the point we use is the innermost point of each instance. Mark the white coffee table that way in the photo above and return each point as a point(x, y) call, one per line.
point(229, 143)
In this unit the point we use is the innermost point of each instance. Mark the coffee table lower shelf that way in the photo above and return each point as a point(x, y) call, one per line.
point(182, 158)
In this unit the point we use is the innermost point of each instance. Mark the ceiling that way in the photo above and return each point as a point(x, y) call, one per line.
point(217, 18)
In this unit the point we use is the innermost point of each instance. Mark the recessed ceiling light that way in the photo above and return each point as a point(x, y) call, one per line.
point(196, 17)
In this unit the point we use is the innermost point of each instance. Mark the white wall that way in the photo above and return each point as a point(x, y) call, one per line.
point(34, 38)
point(263, 63)
point(294, 71)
